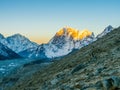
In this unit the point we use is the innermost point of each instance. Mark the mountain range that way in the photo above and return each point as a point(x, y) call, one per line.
point(93, 67)
point(65, 41)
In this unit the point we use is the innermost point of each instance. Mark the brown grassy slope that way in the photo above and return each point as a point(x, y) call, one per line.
point(80, 69)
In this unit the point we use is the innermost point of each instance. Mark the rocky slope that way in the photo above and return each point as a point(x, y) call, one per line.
point(94, 67)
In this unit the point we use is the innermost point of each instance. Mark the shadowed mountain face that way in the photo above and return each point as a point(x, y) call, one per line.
point(6, 53)
point(94, 67)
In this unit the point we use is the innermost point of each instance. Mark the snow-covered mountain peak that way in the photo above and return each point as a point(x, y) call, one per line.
point(106, 30)
point(18, 37)
point(66, 40)
point(73, 33)
point(66, 31)
point(19, 43)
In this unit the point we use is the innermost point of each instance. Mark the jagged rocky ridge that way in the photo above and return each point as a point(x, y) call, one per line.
point(94, 67)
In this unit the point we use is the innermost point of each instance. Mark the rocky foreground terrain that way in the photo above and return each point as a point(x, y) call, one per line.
point(94, 67)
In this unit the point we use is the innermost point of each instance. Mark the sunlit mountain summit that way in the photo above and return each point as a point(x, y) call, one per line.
point(74, 33)
point(63, 42)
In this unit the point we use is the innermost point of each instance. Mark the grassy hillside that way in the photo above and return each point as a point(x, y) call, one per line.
point(94, 67)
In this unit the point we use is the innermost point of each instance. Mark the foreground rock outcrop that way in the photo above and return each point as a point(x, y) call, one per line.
point(94, 67)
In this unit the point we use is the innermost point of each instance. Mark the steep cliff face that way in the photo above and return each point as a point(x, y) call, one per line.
point(94, 67)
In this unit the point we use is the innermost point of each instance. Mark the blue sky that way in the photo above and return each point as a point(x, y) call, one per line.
point(39, 20)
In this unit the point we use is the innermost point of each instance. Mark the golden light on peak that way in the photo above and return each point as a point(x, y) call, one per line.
point(84, 34)
point(61, 32)
point(74, 33)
